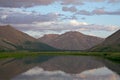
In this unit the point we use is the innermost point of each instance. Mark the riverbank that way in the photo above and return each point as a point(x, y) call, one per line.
point(113, 56)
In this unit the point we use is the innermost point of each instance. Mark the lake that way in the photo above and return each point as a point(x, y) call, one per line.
point(59, 68)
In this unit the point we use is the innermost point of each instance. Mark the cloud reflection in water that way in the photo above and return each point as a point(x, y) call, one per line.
point(38, 73)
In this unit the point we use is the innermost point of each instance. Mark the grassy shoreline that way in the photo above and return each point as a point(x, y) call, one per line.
point(113, 56)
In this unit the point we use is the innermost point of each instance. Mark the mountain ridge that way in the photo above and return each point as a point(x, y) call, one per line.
point(71, 40)
point(13, 39)
point(111, 43)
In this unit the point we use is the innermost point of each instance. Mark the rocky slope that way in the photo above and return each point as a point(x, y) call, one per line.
point(13, 39)
point(111, 43)
point(71, 41)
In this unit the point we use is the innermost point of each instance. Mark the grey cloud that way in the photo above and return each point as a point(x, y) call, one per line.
point(30, 3)
point(83, 18)
point(83, 12)
point(99, 11)
point(113, 1)
point(8, 17)
point(63, 26)
point(24, 3)
point(69, 2)
point(82, 2)
point(70, 9)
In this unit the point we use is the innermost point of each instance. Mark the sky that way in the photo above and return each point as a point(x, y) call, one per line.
point(38, 17)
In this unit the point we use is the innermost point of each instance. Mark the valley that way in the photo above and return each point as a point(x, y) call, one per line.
point(59, 40)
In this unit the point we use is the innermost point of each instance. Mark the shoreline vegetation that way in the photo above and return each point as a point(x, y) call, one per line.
point(113, 56)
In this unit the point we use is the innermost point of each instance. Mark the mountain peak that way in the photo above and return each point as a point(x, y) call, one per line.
point(6, 27)
point(15, 36)
point(71, 40)
point(13, 39)
point(73, 32)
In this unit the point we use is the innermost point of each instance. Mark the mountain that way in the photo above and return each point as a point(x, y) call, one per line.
point(48, 38)
point(12, 39)
point(111, 43)
point(13, 35)
point(4, 45)
point(71, 40)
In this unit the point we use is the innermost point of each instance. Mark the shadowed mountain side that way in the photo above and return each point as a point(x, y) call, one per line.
point(111, 43)
point(12, 39)
point(5, 45)
point(72, 40)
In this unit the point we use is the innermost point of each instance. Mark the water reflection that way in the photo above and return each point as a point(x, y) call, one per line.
point(38, 73)
point(58, 68)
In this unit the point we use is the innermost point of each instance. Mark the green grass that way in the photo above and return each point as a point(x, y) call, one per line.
point(114, 56)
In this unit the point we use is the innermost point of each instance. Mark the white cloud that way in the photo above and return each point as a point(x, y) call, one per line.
point(4, 16)
point(76, 23)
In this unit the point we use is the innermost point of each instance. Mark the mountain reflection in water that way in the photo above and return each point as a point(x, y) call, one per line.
point(59, 68)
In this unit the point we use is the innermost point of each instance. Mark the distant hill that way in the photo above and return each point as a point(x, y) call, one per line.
point(72, 40)
point(111, 43)
point(12, 39)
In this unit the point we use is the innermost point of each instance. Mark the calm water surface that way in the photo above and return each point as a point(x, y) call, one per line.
point(59, 68)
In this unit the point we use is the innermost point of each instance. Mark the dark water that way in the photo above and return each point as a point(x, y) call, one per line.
point(59, 68)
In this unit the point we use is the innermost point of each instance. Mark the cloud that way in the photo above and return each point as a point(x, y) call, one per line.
point(3, 16)
point(79, 2)
point(76, 23)
point(83, 12)
point(99, 11)
point(59, 26)
point(24, 3)
point(69, 2)
point(113, 1)
point(82, 2)
point(31, 3)
point(70, 9)
point(16, 17)
point(83, 18)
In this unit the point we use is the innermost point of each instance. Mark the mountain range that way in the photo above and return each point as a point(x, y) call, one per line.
point(12, 39)
point(71, 40)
